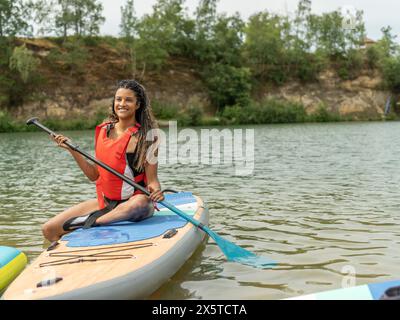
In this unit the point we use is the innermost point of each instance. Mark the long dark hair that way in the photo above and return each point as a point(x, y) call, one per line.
point(144, 116)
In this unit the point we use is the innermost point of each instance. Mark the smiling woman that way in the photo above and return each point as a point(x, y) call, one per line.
point(121, 144)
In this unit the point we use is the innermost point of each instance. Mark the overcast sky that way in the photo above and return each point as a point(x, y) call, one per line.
point(377, 13)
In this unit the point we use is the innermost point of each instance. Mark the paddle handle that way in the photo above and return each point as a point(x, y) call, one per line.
point(35, 121)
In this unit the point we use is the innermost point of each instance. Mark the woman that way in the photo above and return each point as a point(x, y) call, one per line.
point(121, 144)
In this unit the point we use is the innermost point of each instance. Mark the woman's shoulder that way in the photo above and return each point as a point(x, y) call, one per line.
point(102, 128)
point(104, 124)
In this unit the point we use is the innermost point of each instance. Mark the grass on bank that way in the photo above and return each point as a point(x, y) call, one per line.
point(269, 111)
point(8, 124)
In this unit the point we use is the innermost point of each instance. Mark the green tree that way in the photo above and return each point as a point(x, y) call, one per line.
point(18, 76)
point(63, 19)
point(355, 35)
point(386, 55)
point(206, 19)
point(173, 25)
point(87, 17)
point(227, 80)
point(83, 17)
point(128, 27)
point(5, 74)
point(304, 65)
point(44, 16)
point(162, 33)
point(387, 45)
point(383, 49)
point(301, 26)
point(129, 21)
point(151, 46)
point(264, 48)
point(228, 34)
point(23, 61)
point(328, 33)
point(13, 18)
point(228, 85)
point(391, 73)
point(332, 38)
point(13, 21)
point(339, 43)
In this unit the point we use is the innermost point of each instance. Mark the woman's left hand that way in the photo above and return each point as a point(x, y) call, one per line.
point(156, 195)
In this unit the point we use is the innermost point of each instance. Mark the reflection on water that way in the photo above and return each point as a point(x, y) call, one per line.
point(322, 197)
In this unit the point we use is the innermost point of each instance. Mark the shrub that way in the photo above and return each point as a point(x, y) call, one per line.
point(74, 56)
point(23, 61)
point(6, 122)
point(165, 110)
point(268, 111)
point(350, 65)
point(195, 112)
point(91, 41)
point(308, 66)
point(228, 85)
point(373, 57)
point(391, 73)
point(210, 121)
point(323, 115)
point(192, 115)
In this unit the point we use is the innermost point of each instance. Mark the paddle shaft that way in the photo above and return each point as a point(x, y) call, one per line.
point(76, 148)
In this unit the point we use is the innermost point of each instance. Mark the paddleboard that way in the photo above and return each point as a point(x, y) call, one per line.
point(124, 260)
point(389, 290)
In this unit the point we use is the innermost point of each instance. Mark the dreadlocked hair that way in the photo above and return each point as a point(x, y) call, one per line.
point(144, 116)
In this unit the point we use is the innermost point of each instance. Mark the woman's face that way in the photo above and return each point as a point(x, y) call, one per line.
point(125, 104)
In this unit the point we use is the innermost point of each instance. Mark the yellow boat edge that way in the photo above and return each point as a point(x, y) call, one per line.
point(12, 269)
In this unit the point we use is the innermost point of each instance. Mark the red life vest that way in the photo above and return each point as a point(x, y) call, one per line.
point(113, 153)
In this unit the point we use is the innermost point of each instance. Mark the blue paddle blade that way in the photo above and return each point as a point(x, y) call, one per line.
point(232, 251)
point(237, 254)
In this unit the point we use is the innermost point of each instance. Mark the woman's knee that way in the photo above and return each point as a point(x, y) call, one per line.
point(49, 231)
point(142, 209)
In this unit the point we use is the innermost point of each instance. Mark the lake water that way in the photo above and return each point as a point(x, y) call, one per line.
point(323, 201)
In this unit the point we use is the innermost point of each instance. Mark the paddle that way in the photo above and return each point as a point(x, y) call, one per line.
point(231, 250)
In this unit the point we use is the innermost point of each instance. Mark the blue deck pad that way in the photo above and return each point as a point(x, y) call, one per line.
point(178, 198)
point(123, 232)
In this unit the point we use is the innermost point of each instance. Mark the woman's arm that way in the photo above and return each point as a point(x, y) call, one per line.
point(153, 184)
point(89, 169)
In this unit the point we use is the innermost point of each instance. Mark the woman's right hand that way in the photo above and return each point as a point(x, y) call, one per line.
point(60, 139)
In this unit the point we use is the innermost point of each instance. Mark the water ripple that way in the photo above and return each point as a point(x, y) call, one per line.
point(322, 197)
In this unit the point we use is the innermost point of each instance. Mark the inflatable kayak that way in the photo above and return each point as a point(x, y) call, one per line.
point(389, 290)
point(124, 260)
point(12, 262)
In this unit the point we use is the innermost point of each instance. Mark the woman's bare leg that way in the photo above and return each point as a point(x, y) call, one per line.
point(53, 229)
point(136, 208)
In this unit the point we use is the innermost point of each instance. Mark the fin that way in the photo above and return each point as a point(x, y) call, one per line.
point(53, 245)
